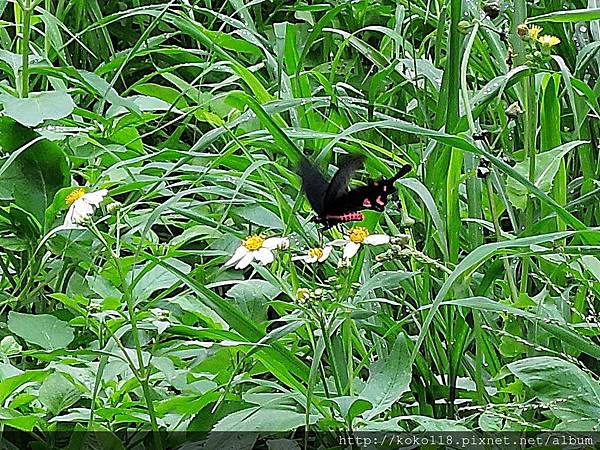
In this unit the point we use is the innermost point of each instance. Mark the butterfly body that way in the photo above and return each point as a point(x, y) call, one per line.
point(334, 203)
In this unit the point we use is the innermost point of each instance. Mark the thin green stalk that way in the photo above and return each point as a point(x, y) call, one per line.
point(143, 371)
point(514, 293)
point(330, 352)
point(26, 32)
point(474, 230)
point(530, 151)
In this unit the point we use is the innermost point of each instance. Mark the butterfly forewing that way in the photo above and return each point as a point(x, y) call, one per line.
point(339, 183)
point(314, 184)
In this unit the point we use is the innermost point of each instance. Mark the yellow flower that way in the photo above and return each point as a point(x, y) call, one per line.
point(534, 31)
point(548, 40)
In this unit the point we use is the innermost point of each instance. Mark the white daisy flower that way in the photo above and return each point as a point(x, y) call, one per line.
point(82, 205)
point(256, 247)
point(358, 236)
point(314, 255)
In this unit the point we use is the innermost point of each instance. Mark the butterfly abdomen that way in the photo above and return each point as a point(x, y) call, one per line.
point(348, 217)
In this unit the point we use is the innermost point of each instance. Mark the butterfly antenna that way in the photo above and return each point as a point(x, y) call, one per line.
point(403, 171)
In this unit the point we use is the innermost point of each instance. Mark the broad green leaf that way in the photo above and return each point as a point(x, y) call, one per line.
point(546, 167)
point(35, 171)
point(39, 106)
point(8, 386)
point(57, 393)
point(251, 297)
point(389, 378)
point(263, 419)
point(383, 280)
point(570, 393)
point(150, 278)
point(16, 420)
point(44, 330)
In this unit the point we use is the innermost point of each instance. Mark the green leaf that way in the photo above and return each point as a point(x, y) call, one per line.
point(44, 330)
point(9, 385)
point(575, 15)
point(570, 393)
point(34, 172)
point(351, 407)
point(261, 216)
point(39, 106)
point(433, 424)
point(151, 278)
point(263, 419)
point(383, 280)
point(14, 419)
point(251, 297)
point(57, 393)
point(546, 168)
point(107, 92)
point(389, 378)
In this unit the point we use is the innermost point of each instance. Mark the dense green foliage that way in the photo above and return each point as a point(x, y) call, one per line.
point(480, 313)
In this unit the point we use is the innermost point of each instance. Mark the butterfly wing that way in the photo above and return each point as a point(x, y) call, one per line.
point(314, 185)
point(338, 186)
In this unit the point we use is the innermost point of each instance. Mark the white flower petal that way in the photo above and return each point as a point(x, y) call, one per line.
point(264, 255)
point(276, 242)
point(77, 213)
point(339, 242)
point(245, 261)
point(94, 198)
point(310, 259)
point(239, 253)
point(350, 250)
point(326, 252)
point(377, 239)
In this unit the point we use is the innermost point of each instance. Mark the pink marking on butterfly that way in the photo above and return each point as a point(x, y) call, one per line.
point(367, 203)
point(348, 217)
point(379, 201)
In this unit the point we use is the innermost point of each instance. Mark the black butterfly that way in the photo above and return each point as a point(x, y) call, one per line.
point(334, 203)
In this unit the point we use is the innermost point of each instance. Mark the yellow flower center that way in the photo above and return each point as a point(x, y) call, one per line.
point(315, 252)
point(253, 242)
point(302, 294)
point(74, 196)
point(358, 234)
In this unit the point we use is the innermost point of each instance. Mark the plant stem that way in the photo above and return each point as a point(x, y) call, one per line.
point(143, 372)
point(26, 30)
point(475, 232)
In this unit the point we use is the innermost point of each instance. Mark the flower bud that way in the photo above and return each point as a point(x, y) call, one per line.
point(492, 9)
point(514, 110)
point(113, 207)
point(464, 26)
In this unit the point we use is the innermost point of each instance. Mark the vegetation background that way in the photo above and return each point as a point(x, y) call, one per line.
point(480, 315)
